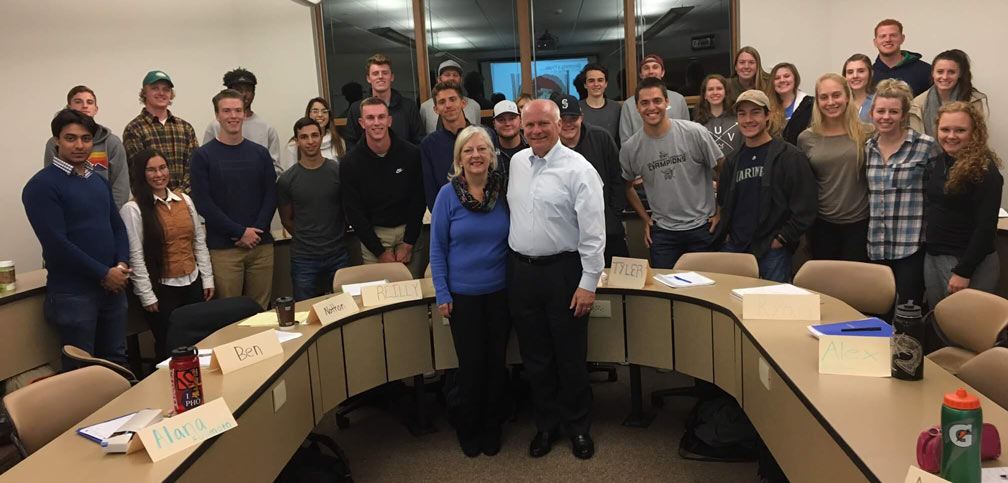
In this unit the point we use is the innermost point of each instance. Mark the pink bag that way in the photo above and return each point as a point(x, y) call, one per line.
point(929, 447)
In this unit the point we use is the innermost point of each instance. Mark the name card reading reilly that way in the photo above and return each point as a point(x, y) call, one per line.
point(854, 355)
point(188, 429)
point(332, 309)
point(245, 352)
point(780, 306)
point(391, 293)
point(628, 272)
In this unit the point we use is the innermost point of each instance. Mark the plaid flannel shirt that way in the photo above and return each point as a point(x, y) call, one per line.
point(896, 196)
point(68, 168)
point(175, 139)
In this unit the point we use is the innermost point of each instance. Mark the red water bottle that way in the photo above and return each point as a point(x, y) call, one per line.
point(187, 386)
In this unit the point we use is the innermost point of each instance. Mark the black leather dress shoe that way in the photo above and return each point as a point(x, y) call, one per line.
point(583, 446)
point(542, 443)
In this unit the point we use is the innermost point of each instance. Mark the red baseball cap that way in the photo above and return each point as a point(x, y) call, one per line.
point(651, 58)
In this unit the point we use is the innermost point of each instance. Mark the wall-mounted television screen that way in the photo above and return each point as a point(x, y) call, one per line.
point(550, 76)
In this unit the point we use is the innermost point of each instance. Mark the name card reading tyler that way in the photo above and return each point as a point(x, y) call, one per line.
point(854, 355)
point(391, 293)
point(628, 273)
point(332, 309)
point(780, 306)
point(169, 436)
point(245, 352)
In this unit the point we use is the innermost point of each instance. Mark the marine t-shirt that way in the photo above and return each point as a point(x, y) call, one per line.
point(745, 213)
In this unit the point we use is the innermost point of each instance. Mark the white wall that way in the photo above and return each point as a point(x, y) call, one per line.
point(51, 45)
point(819, 36)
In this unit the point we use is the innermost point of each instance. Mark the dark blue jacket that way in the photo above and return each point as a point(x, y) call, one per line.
point(437, 154)
point(911, 70)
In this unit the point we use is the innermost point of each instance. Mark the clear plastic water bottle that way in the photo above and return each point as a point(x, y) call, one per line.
point(908, 343)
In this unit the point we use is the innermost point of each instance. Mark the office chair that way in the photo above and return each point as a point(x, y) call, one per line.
point(972, 321)
point(868, 287)
point(85, 359)
point(192, 323)
point(987, 373)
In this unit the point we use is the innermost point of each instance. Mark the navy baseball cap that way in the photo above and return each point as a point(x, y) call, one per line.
point(568, 105)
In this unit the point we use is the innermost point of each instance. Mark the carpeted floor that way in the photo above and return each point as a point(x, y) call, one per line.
point(380, 448)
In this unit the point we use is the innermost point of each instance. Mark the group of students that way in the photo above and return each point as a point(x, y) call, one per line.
point(525, 213)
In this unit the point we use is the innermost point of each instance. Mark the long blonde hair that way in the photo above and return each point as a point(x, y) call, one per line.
point(975, 157)
point(463, 137)
point(777, 118)
point(856, 130)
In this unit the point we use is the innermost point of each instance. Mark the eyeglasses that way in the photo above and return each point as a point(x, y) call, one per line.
point(319, 111)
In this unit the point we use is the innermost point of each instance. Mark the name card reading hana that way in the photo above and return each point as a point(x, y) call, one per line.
point(245, 352)
point(391, 293)
point(169, 436)
point(628, 272)
point(780, 306)
point(854, 355)
point(332, 309)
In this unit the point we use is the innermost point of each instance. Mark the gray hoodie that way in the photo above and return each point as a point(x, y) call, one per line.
point(109, 158)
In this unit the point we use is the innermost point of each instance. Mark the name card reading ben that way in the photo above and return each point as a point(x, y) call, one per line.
point(628, 272)
point(780, 306)
point(854, 355)
point(169, 436)
point(332, 309)
point(245, 352)
point(391, 293)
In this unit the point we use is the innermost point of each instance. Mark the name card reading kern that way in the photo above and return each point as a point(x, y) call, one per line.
point(854, 355)
point(780, 306)
point(332, 309)
point(186, 430)
point(628, 272)
point(245, 352)
point(391, 293)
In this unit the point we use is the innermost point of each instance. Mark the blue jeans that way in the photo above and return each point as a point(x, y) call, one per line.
point(94, 321)
point(667, 245)
point(312, 277)
point(775, 265)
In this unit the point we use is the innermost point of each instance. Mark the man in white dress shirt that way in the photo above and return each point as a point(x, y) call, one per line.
point(557, 240)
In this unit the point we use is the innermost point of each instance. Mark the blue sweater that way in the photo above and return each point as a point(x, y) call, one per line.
point(468, 250)
point(78, 225)
point(234, 187)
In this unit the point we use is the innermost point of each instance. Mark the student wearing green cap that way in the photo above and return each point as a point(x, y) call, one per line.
point(157, 128)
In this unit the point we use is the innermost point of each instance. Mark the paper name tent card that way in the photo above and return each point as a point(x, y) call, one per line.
point(123, 440)
point(684, 279)
point(870, 327)
point(778, 289)
point(354, 288)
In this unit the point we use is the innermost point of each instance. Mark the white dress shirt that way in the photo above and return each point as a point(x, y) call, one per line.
point(557, 206)
point(130, 213)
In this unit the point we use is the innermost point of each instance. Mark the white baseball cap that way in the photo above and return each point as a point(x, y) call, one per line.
point(505, 106)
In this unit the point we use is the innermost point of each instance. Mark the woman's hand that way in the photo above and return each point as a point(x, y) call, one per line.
point(208, 293)
point(151, 308)
point(445, 310)
point(957, 283)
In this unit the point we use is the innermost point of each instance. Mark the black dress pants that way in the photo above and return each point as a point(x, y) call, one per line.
point(170, 298)
point(480, 327)
point(553, 343)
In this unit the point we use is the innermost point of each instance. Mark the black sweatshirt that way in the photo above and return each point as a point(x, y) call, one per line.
point(599, 148)
point(383, 191)
point(961, 224)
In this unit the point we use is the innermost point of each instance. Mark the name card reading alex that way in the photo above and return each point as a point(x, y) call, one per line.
point(186, 430)
point(628, 272)
point(854, 355)
point(391, 293)
point(332, 309)
point(780, 306)
point(245, 352)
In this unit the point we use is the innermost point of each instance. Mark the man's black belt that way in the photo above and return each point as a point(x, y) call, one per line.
point(544, 260)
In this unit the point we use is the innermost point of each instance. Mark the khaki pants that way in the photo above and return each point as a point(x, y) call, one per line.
point(392, 237)
point(243, 271)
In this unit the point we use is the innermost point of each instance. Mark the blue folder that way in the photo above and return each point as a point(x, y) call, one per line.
point(885, 330)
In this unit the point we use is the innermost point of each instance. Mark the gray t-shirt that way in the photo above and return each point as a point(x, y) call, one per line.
point(318, 211)
point(631, 122)
point(677, 170)
point(606, 117)
point(843, 187)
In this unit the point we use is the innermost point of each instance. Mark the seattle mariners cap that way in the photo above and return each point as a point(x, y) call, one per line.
point(754, 96)
point(449, 64)
point(503, 107)
point(157, 75)
point(568, 105)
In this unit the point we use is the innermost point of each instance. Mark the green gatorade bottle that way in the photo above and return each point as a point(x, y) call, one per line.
point(961, 422)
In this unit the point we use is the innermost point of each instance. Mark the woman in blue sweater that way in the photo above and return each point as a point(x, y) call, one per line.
point(468, 250)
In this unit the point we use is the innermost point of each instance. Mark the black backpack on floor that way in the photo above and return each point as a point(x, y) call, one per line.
point(318, 460)
point(718, 430)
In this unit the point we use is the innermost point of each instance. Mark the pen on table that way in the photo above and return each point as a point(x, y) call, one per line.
point(861, 329)
point(681, 279)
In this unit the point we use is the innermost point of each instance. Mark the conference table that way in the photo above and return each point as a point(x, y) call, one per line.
point(819, 427)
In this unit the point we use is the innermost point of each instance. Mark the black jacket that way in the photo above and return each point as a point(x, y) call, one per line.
point(599, 148)
point(789, 197)
point(405, 121)
point(383, 191)
point(800, 120)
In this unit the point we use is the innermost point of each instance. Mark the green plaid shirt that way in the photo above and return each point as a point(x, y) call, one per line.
point(175, 139)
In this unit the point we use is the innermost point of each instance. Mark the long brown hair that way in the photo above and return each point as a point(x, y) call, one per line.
point(976, 157)
point(336, 138)
point(762, 79)
point(703, 109)
point(856, 130)
point(870, 85)
point(777, 118)
point(153, 231)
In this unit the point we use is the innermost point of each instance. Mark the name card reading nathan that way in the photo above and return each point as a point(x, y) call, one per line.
point(780, 306)
point(854, 355)
point(332, 309)
point(186, 430)
point(628, 272)
point(245, 352)
point(391, 293)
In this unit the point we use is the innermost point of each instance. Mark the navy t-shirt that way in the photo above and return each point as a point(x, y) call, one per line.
point(745, 214)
